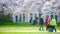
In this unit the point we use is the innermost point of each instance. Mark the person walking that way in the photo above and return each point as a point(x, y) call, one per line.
point(41, 23)
point(48, 20)
point(53, 24)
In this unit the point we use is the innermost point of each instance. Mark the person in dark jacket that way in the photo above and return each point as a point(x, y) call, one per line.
point(35, 21)
point(41, 22)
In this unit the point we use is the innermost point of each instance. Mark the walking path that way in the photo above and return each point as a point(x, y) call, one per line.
point(22, 31)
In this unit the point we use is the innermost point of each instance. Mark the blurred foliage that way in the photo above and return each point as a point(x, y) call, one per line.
point(5, 18)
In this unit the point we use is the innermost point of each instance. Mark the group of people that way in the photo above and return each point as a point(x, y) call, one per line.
point(50, 24)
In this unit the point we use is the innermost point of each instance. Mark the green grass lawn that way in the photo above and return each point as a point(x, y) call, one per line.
point(29, 32)
point(18, 28)
point(24, 26)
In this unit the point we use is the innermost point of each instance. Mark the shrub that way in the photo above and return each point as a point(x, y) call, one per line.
point(5, 18)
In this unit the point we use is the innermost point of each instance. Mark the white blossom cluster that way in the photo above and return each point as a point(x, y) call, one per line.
point(12, 6)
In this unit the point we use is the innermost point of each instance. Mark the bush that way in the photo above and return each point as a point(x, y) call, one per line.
point(5, 18)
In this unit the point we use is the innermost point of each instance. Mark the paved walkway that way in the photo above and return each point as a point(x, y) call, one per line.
point(22, 31)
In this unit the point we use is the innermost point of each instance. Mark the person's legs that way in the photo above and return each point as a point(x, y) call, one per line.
point(53, 28)
point(46, 28)
point(40, 28)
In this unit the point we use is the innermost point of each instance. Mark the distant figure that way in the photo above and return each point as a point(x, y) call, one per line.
point(41, 22)
point(19, 22)
point(35, 21)
point(48, 20)
point(56, 17)
point(31, 20)
point(53, 24)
